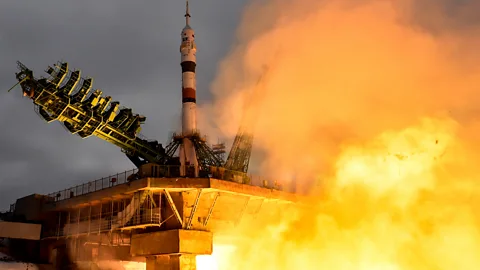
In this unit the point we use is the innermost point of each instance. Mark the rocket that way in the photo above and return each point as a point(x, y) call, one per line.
point(188, 49)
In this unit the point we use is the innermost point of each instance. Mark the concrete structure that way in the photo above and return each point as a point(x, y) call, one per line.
point(18, 230)
point(163, 221)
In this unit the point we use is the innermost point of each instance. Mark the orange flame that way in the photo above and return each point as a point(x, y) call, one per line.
point(366, 98)
point(394, 205)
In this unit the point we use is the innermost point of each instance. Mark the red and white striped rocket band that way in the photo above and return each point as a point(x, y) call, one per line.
point(188, 50)
point(188, 82)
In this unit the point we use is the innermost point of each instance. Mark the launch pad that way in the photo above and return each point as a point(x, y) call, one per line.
point(180, 200)
point(165, 220)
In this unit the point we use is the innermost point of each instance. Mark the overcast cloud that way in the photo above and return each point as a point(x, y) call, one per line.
point(131, 48)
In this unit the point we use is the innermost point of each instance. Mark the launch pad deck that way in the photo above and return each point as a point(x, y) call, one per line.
point(207, 185)
point(129, 219)
point(157, 203)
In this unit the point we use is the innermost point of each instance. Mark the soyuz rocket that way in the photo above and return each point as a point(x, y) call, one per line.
point(188, 49)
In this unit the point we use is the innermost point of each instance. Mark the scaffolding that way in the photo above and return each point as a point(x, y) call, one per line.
point(92, 186)
point(142, 210)
point(161, 171)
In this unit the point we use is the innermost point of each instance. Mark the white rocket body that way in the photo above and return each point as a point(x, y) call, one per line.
point(188, 49)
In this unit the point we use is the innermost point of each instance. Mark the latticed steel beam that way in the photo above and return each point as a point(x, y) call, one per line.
point(206, 156)
point(172, 147)
point(173, 207)
point(68, 98)
point(210, 211)
point(239, 156)
point(58, 99)
point(194, 209)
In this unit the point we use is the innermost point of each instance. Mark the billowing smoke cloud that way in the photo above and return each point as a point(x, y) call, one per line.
point(376, 101)
point(344, 70)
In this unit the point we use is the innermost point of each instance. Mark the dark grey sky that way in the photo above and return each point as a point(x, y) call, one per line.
point(131, 48)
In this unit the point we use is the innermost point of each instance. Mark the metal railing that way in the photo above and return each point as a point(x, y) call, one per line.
point(100, 224)
point(153, 170)
point(161, 171)
point(92, 186)
point(142, 210)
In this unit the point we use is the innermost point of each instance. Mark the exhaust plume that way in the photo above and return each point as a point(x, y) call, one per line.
point(342, 71)
point(372, 106)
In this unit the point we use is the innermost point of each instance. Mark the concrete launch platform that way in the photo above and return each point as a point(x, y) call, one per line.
point(173, 185)
point(167, 221)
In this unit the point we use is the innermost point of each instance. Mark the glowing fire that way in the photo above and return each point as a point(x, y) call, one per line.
point(216, 261)
point(207, 262)
point(394, 205)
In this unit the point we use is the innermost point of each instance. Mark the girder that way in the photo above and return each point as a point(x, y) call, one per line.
point(70, 99)
point(239, 156)
point(91, 115)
